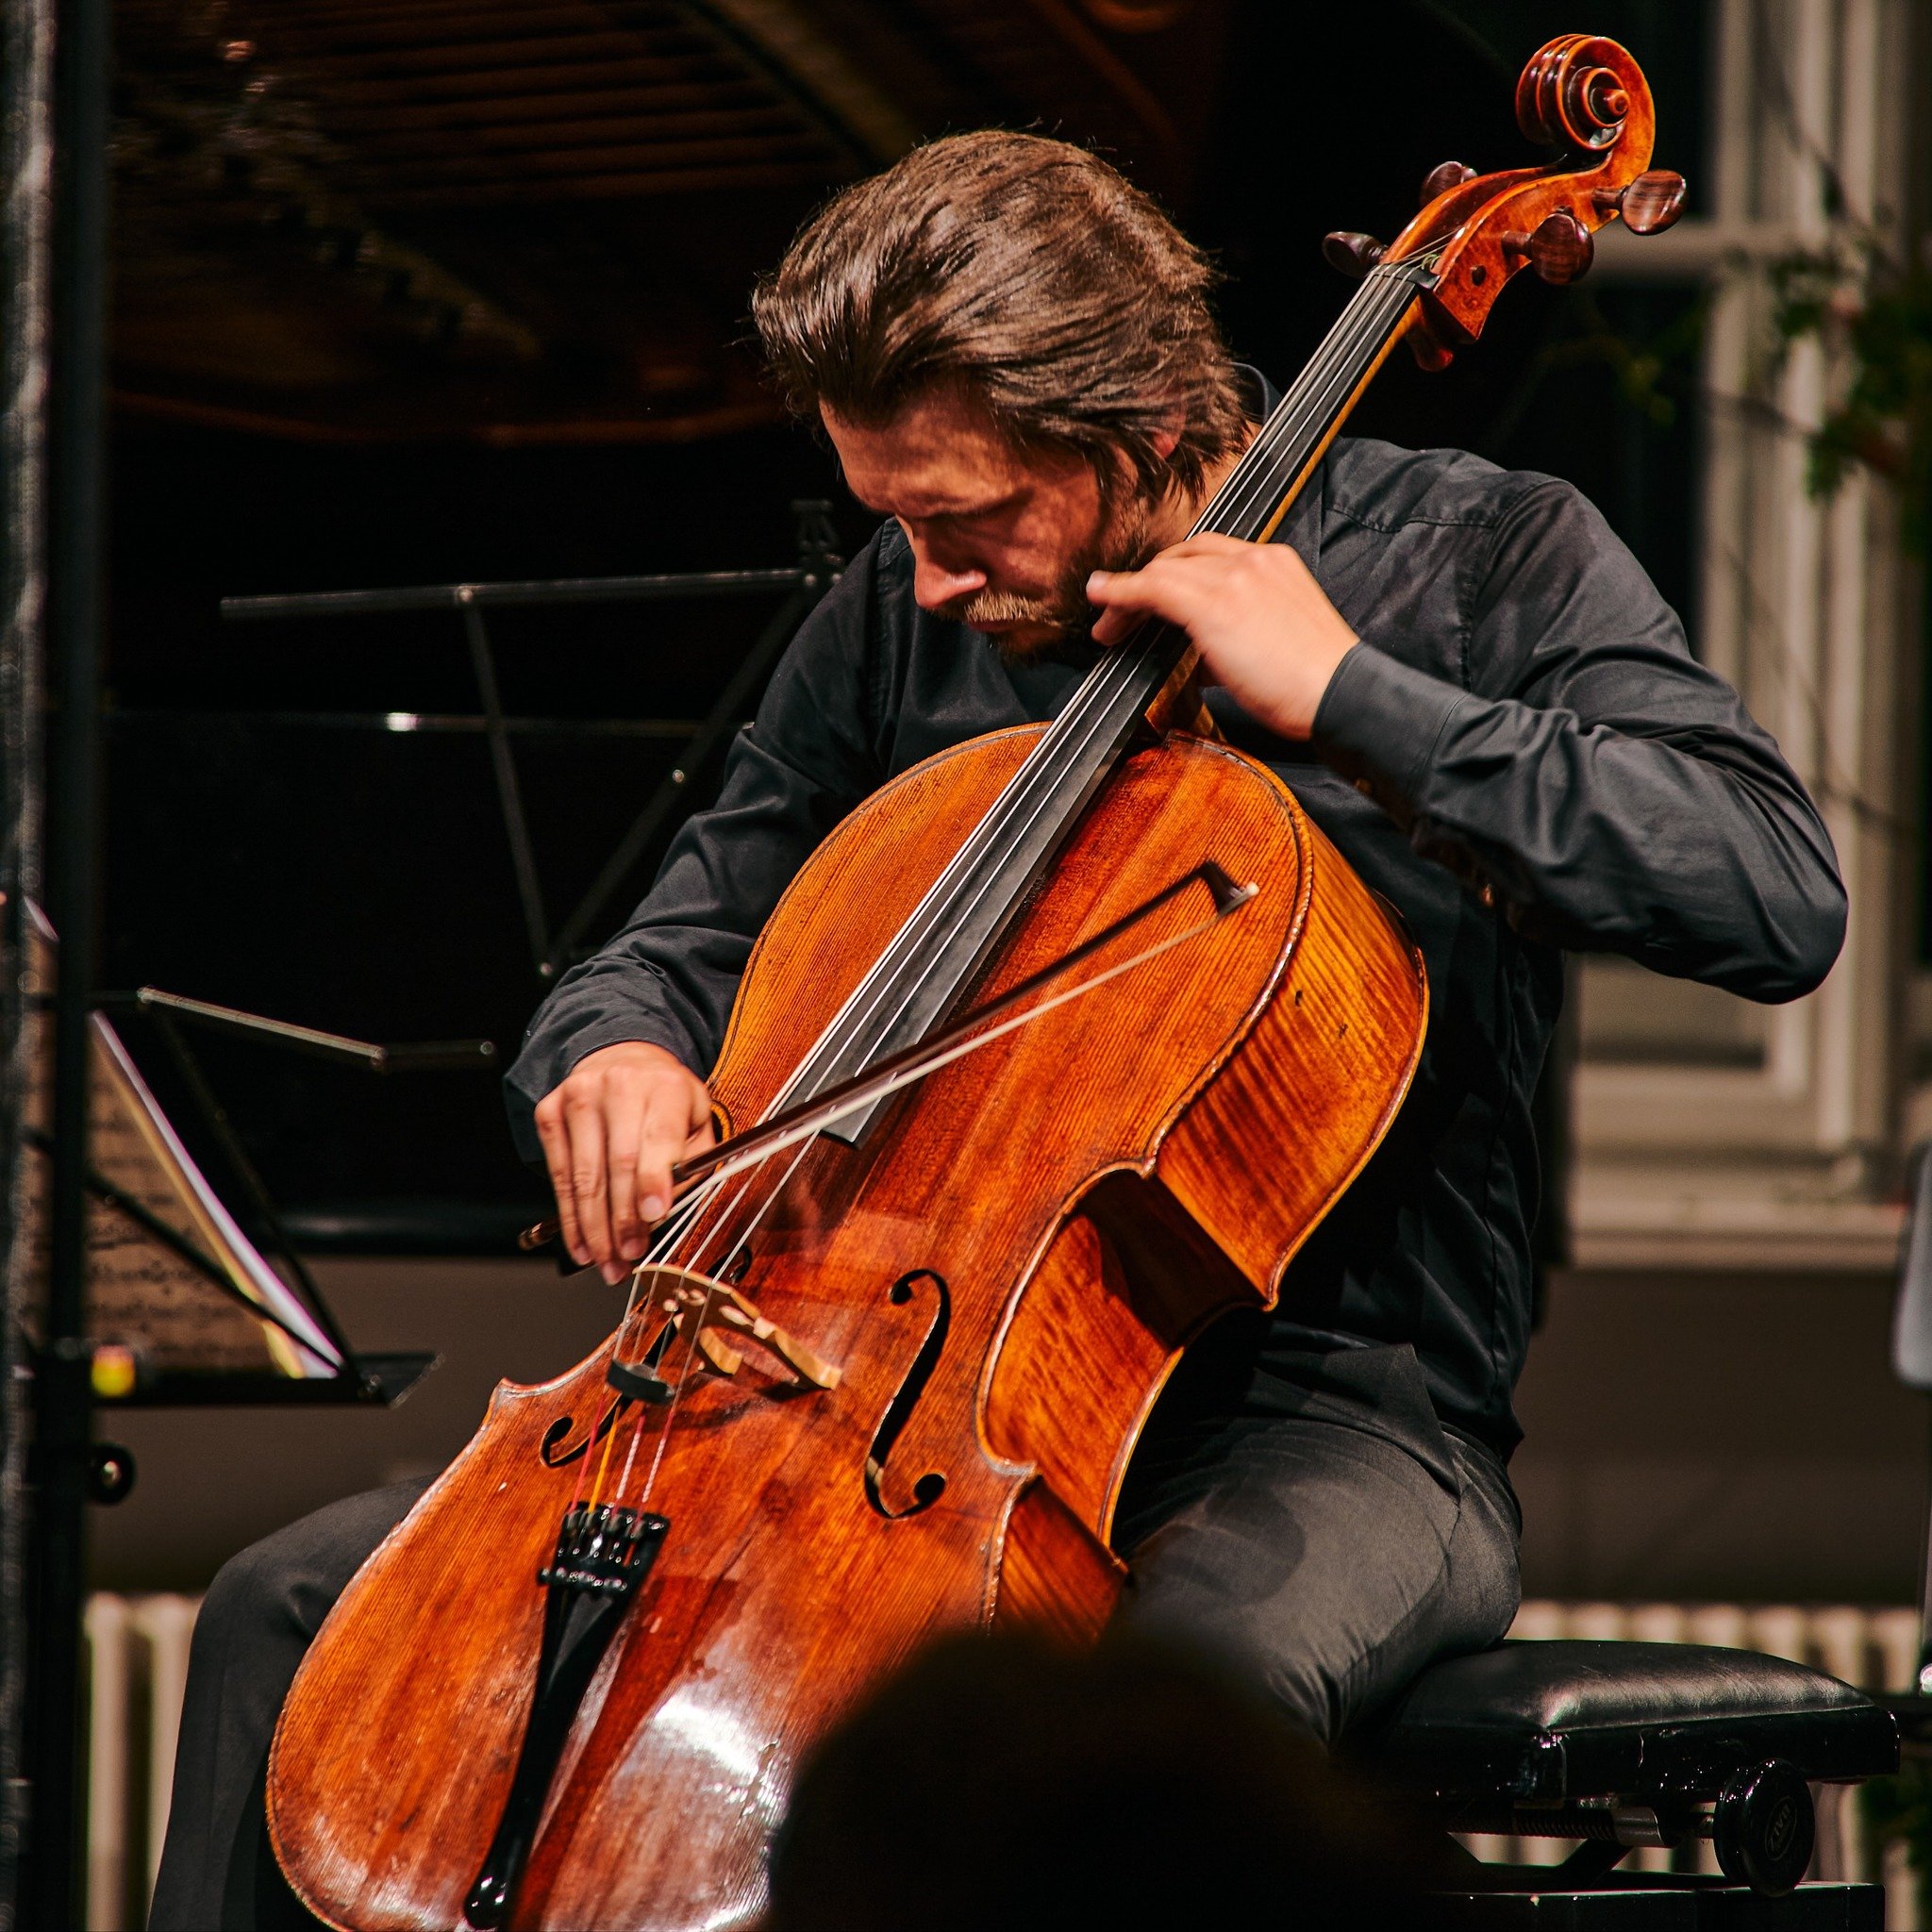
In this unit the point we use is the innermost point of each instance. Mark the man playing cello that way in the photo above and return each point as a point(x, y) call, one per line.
point(1470, 687)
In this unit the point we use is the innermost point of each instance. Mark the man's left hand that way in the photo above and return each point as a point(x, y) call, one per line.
point(1261, 623)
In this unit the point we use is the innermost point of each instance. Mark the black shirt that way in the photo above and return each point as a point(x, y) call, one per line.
point(1523, 755)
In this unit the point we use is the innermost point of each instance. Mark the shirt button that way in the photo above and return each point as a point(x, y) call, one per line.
point(1364, 786)
point(1488, 895)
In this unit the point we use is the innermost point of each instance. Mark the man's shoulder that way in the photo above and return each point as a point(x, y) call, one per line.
point(871, 599)
point(1380, 486)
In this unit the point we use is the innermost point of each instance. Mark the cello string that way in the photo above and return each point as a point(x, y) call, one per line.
point(603, 1463)
point(1310, 408)
point(699, 1318)
point(1290, 448)
point(1265, 472)
point(1363, 324)
point(692, 1265)
point(1324, 386)
point(1313, 401)
point(647, 1265)
point(677, 1224)
point(1273, 457)
point(577, 1492)
point(684, 1214)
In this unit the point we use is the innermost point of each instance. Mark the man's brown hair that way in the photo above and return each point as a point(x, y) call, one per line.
point(1030, 276)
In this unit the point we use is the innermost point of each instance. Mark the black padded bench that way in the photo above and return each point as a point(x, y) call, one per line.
point(1617, 1745)
point(1624, 1744)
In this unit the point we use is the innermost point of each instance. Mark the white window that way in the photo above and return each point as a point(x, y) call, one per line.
point(1706, 1129)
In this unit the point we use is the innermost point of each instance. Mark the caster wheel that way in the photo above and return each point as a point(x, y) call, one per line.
point(1763, 1827)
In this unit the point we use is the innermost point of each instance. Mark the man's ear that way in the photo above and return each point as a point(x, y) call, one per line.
point(1166, 438)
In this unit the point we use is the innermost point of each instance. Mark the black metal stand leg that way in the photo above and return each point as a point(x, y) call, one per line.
point(63, 1422)
point(720, 721)
point(516, 827)
point(818, 568)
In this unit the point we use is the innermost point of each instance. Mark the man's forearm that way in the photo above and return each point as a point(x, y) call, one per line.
point(1698, 855)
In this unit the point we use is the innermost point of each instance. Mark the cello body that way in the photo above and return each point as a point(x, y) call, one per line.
point(1004, 1270)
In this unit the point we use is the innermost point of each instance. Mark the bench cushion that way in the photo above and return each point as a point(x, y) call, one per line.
point(1545, 1721)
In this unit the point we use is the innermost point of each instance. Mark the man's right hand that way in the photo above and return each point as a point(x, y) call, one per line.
point(610, 1131)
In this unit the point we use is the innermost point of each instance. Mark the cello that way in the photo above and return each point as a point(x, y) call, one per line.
point(884, 1366)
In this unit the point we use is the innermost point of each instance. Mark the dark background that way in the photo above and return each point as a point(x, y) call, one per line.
point(264, 853)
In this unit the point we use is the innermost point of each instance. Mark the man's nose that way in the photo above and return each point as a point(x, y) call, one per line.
point(935, 584)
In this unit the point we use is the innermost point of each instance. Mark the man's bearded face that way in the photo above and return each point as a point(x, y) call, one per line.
point(1003, 539)
point(1121, 541)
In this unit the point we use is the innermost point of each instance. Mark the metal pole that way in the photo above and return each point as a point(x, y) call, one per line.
point(63, 1421)
point(503, 765)
point(26, 155)
point(817, 568)
point(508, 597)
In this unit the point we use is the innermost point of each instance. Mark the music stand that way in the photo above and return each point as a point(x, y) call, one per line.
point(184, 1308)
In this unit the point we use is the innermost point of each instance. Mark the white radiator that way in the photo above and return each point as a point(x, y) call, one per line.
point(1876, 1649)
point(137, 1669)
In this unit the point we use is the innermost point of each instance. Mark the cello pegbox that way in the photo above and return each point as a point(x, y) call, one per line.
point(1586, 98)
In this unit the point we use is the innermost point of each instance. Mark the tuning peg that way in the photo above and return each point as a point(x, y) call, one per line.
point(1649, 203)
point(1354, 254)
point(1440, 180)
point(1560, 248)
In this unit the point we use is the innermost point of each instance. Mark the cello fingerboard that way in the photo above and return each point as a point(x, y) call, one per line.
point(949, 937)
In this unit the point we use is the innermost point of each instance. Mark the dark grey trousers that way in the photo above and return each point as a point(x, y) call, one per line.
point(1320, 1529)
point(1331, 1537)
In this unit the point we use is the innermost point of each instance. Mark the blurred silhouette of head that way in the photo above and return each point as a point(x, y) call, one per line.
point(999, 1782)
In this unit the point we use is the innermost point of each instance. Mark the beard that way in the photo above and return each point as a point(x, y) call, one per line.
point(1124, 541)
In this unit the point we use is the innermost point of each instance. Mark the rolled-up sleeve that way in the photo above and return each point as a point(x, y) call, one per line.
point(670, 976)
point(1610, 792)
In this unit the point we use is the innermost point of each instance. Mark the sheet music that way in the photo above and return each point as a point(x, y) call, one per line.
point(139, 1290)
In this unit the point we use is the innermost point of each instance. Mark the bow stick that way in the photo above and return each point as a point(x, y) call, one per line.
point(966, 1035)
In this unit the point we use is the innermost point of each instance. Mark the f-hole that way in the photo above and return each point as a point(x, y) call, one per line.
point(551, 1452)
point(552, 1456)
point(930, 1486)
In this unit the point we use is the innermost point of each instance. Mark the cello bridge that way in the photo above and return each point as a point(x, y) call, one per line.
point(725, 1323)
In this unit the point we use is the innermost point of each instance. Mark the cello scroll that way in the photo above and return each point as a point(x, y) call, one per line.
point(1587, 98)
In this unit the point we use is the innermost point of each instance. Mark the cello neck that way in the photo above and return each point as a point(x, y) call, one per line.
point(1276, 466)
